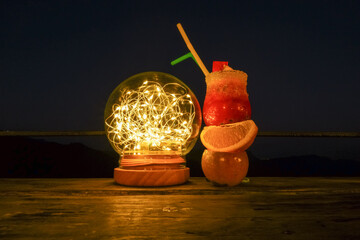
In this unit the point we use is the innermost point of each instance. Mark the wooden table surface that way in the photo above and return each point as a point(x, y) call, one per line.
point(264, 208)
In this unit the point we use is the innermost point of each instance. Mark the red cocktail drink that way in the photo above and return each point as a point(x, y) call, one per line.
point(226, 100)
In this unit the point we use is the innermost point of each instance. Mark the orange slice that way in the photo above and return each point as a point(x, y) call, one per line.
point(234, 137)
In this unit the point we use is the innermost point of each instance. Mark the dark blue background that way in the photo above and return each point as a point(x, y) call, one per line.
point(60, 60)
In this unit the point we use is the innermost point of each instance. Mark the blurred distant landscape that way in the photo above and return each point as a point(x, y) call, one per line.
point(23, 157)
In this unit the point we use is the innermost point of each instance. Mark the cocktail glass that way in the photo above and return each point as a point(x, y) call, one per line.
point(226, 100)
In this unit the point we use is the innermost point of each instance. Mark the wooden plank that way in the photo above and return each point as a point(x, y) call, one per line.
point(264, 208)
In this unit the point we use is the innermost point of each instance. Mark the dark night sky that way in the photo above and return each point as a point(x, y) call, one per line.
point(60, 60)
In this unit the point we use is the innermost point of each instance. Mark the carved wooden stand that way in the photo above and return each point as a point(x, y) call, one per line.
point(151, 178)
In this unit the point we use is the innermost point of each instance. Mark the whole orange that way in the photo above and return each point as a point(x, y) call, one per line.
point(224, 168)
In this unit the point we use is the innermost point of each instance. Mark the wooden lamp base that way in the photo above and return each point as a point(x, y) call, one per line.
point(151, 178)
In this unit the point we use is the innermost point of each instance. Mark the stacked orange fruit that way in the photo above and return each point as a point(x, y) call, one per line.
point(229, 131)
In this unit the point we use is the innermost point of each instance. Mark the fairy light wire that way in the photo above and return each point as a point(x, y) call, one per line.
point(151, 118)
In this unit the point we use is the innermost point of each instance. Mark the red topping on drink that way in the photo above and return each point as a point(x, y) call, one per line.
point(219, 65)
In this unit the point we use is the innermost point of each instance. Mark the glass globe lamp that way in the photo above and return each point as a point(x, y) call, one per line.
point(152, 120)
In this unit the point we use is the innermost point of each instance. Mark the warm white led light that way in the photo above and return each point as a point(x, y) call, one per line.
point(151, 119)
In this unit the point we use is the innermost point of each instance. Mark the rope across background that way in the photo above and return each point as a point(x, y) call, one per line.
point(100, 133)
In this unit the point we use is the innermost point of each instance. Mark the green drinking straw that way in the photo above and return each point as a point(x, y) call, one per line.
point(182, 58)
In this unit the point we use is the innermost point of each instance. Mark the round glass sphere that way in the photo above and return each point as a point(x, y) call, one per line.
point(152, 113)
